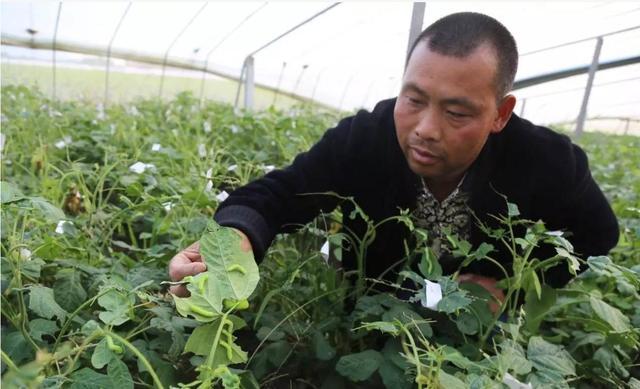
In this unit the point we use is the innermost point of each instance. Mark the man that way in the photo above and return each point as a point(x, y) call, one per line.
point(447, 148)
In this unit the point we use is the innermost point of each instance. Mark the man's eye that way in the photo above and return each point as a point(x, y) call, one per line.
point(414, 101)
point(457, 115)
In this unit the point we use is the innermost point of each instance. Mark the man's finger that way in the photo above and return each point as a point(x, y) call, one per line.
point(179, 290)
point(178, 270)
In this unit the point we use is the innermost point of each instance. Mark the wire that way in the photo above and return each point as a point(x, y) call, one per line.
point(166, 54)
point(580, 41)
point(206, 61)
point(113, 37)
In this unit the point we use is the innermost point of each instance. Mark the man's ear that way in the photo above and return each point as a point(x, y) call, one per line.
point(505, 109)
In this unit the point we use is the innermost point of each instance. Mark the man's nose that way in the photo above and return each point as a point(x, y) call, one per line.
point(429, 126)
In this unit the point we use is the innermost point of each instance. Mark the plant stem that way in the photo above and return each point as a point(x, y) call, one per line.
point(7, 360)
point(140, 356)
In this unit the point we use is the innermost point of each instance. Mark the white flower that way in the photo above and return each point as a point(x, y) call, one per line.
point(100, 108)
point(202, 151)
point(141, 167)
point(208, 173)
point(222, 196)
point(60, 226)
point(156, 147)
point(209, 186)
point(112, 128)
point(232, 168)
point(206, 127)
point(168, 205)
point(62, 143)
point(234, 129)
point(25, 254)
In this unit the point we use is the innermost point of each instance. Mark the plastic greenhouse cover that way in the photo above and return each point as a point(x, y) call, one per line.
point(353, 55)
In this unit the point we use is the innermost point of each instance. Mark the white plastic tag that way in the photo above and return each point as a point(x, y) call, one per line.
point(222, 196)
point(324, 250)
point(202, 151)
point(513, 383)
point(433, 294)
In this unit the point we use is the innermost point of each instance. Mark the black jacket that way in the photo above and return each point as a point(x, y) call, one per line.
point(539, 170)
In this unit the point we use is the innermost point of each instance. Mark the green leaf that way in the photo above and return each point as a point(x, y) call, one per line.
point(322, 348)
point(393, 376)
point(512, 210)
point(119, 374)
point(90, 379)
point(467, 323)
point(550, 358)
point(118, 305)
point(220, 248)
point(201, 341)
point(536, 307)
point(68, 290)
point(278, 352)
point(232, 274)
point(574, 264)
point(40, 327)
point(50, 212)
point(634, 383)
point(616, 319)
point(16, 346)
point(360, 366)
point(448, 381)
point(102, 355)
point(382, 326)
point(530, 281)
point(9, 193)
point(41, 302)
point(512, 357)
point(454, 301)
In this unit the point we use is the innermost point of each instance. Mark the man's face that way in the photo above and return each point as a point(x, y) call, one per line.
point(446, 110)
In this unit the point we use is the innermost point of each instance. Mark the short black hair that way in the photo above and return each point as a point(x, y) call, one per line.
point(459, 34)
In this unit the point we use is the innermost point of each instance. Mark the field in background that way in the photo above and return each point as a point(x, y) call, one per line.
point(81, 84)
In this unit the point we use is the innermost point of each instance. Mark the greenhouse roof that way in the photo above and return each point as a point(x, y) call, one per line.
point(349, 55)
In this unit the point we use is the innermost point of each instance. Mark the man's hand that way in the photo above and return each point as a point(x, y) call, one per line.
point(188, 262)
point(489, 284)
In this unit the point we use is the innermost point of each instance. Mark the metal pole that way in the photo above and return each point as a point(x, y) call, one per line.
point(417, 17)
point(582, 116)
point(524, 104)
point(366, 95)
point(315, 87)
point(248, 84)
point(295, 87)
point(106, 81)
point(240, 80)
point(53, 47)
point(626, 127)
point(166, 54)
point(275, 93)
point(206, 61)
point(344, 93)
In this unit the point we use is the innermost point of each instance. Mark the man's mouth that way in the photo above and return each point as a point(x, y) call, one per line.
point(423, 156)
